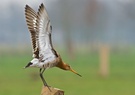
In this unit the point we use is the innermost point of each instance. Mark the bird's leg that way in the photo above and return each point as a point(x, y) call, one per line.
point(41, 75)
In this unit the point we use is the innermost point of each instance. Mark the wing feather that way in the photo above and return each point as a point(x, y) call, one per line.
point(45, 29)
point(31, 19)
point(43, 23)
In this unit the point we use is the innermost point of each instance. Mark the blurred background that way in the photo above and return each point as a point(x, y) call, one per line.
point(96, 37)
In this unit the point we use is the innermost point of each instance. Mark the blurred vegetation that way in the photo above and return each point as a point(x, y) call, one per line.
point(81, 27)
point(14, 80)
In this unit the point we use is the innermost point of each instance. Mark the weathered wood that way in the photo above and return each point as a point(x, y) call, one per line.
point(54, 91)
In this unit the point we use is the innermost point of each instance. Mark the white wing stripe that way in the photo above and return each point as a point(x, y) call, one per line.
point(44, 31)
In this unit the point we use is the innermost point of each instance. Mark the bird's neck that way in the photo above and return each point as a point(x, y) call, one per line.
point(61, 65)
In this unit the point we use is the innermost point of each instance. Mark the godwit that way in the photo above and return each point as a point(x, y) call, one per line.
point(44, 55)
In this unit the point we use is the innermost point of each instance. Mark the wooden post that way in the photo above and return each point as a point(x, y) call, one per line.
point(54, 91)
point(104, 60)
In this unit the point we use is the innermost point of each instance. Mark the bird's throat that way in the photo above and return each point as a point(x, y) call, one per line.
point(61, 65)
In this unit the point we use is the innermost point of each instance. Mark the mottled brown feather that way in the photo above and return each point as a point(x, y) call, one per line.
point(31, 17)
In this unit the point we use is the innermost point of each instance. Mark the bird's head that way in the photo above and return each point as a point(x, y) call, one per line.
point(67, 67)
point(32, 63)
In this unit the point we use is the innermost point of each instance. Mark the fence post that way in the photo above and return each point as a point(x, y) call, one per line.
point(104, 60)
point(54, 91)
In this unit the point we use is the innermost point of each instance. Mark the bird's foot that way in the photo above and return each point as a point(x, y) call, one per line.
point(48, 87)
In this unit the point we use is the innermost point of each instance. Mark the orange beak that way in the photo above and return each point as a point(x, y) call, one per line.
point(75, 72)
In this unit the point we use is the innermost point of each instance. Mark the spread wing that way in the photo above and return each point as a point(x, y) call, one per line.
point(31, 19)
point(44, 29)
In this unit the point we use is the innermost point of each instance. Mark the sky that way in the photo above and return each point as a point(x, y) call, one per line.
point(116, 10)
point(21, 2)
point(5, 3)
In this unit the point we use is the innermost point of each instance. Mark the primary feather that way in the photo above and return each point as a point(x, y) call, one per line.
point(31, 19)
point(40, 28)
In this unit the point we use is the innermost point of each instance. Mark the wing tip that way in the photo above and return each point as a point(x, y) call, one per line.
point(27, 6)
point(41, 7)
point(42, 11)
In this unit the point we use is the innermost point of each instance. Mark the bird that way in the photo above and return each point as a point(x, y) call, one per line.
point(44, 54)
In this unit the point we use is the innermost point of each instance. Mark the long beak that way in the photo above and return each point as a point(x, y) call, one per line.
point(75, 72)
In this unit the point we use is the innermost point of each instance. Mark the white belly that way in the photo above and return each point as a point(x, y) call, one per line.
point(48, 63)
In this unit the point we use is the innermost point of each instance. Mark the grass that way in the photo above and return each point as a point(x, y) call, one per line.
point(14, 80)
